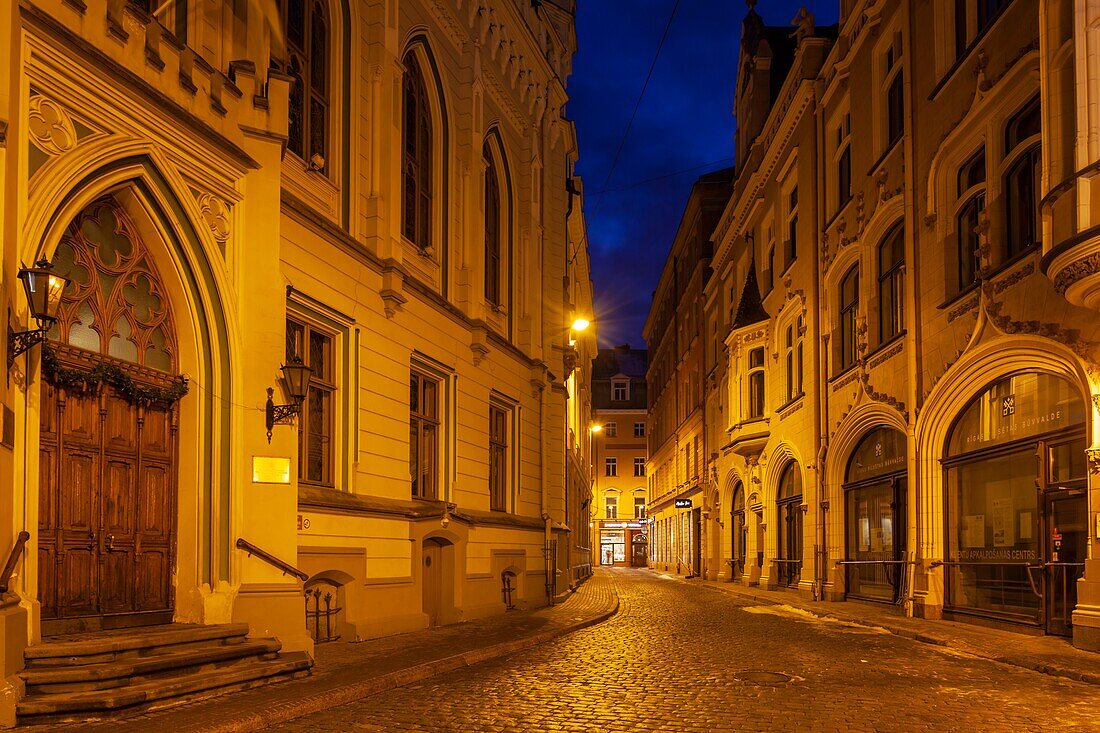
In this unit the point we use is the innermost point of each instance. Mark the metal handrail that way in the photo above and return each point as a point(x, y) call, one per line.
point(1023, 563)
point(13, 558)
point(285, 567)
point(876, 562)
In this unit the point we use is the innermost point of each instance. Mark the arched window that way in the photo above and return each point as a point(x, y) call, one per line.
point(891, 284)
point(789, 537)
point(793, 352)
point(492, 228)
point(306, 62)
point(971, 195)
point(849, 309)
point(739, 533)
point(417, 146)
point(1021, 183)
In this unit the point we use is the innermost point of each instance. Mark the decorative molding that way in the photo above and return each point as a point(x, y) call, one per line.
point(963, 308)
point(217, 216)
point(886, 355)
point(1076, 270)
point(1002, 285)
point(1093, 457)
point(50, 128)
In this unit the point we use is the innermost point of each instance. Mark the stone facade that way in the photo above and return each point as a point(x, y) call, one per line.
point(346, 192)
point(901, 316)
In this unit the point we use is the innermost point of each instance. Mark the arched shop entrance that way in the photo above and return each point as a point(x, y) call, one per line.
point(1015, 504)
point(788, 504)
point(739, 532)
point(874, 511)
point(108, 434)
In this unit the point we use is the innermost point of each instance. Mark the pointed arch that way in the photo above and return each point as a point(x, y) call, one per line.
point(497, 170)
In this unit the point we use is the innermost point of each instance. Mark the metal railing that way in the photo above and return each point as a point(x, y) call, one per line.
point(316, 616)
point(787, 572)
point(13, 559)
point(895, 573)
point(285, 567)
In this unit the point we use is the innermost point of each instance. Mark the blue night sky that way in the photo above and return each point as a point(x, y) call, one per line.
point(683, 129)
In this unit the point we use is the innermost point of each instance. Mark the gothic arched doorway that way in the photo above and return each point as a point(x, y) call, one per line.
point(108, 433)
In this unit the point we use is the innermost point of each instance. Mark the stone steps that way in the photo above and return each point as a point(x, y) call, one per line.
point(84, 677)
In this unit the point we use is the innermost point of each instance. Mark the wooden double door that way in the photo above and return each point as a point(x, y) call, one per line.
point(107, 511)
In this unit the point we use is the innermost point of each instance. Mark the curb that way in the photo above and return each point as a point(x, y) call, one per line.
point(1053, 670)
point(354, 691)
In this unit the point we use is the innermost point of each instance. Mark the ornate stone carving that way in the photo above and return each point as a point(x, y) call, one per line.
point(1093, 456)
point(1075, 271)
point(49, 125)
point(216, 215)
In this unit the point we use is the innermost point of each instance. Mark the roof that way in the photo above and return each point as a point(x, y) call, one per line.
point(620, 360)
point(750, 309)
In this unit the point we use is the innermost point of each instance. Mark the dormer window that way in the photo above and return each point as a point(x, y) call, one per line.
point(620, 390)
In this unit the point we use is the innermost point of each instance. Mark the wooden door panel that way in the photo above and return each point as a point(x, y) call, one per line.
point(119, 496)
point(120, 428)
point(152, 572)
point(76, 593)
point(156, 434)
point(47, 491)
point(117, 588)
point(154, 501)
point(80, 421)
point(79, 482)
point(47, 416)
point(47, 576)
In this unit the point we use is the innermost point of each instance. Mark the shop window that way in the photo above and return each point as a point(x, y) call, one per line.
point(639, 467)
point(995, 517)
point(891, 285)
point(417, 156)
point(611, 467)
point(756, 383)
point(849, 311)
point(971, 195)
point(316, 421)
point(1021, 180)
point(611, 507)
point(424, 429)
point(492, 228)
point(874, 495)
point(306, 37)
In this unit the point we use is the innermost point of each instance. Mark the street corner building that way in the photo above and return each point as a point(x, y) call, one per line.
point(619, 454)
point(876, 377)
point(291, 291)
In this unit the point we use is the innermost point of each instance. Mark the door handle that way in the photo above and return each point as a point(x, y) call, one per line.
point(110, 543)
point(91, 540)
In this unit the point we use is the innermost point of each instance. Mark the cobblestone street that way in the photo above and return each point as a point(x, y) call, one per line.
point(670, 660)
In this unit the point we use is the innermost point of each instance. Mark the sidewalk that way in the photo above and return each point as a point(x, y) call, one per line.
point(1047, 654)
point(348, 671)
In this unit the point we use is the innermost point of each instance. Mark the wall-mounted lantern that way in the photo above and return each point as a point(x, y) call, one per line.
point(43, 289)
point(296, 377)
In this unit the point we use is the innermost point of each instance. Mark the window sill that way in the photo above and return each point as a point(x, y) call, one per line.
point(885, 345)
point(791, 402)
point(890, 147)
point(959, 296)
point(961, 60)
point(843, 372)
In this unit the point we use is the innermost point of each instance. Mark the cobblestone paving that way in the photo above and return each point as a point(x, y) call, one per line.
point(668, 661)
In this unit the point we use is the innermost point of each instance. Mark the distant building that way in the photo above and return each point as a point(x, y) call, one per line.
point(619, 493)
point(674, 332)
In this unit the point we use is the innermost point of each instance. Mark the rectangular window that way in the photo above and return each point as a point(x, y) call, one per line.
point(895, 102)
point(611, 507)
point(849, 308)
point(639, 507)
point(639, 467)
point(611, 429)
point(844, 163)
point(791, 245)
point(639, 430)
point(611, 466)
point(424, 435)
point(316, 421)
point(498, 459)
point(756, 383)
point(891, 284)
point(620, 391)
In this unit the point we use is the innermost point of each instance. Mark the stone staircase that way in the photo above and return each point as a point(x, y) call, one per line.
point(82, 677)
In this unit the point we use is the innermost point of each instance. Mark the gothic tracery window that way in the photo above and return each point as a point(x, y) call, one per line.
point(492, 229)
point(417, 145)
point(306, 62)
point(115, 303)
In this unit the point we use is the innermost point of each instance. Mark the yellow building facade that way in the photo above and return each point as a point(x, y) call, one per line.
point(374, 190)
point(901, 316)
point(619, 457)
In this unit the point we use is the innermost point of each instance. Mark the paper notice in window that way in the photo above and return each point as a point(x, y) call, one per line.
point(1025, 526)
point(1004, 529)
point(972, 530)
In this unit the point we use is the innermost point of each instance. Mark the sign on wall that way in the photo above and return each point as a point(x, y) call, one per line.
point(683, 503)
point(270, 470)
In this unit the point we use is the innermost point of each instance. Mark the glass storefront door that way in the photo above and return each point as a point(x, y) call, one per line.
point(1067, 536)
point(874, 498)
